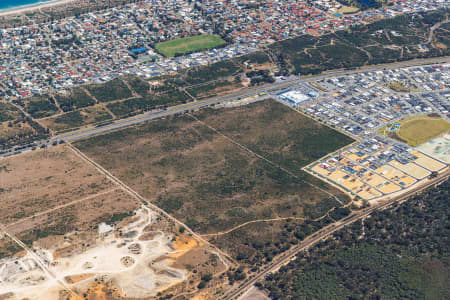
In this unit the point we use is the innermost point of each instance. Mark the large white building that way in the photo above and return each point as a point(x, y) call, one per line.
point(294, 97)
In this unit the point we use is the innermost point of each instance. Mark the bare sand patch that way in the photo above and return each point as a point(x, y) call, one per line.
point(438, 148)
point(396, 175)
point(77, 278)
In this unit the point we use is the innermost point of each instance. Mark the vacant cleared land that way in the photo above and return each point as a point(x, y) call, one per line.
point(37, 181)
point(79, 215)
point(189, 45)
point(212, 184)
point(418, 129)
point(438, 148)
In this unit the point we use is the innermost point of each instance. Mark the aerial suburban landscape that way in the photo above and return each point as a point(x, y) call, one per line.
point(251, 150)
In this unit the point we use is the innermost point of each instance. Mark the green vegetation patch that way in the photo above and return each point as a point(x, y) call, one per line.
point(189, 45)
point(41, 106)
point(258, 57)
point(139, 85)
point(134, 106)
point(201, 74)
point(383, 41)
point(400, 253)
point(8, 112)
point(111, 90)
point(71, 119)
point(74, 99)
point(212, 184)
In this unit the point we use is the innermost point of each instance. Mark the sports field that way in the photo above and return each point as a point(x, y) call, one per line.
point(189, 45)
point(348, 10)
point(417, 130)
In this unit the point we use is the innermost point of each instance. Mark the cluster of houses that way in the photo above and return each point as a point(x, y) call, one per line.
point(98, 46)
point(367, 105)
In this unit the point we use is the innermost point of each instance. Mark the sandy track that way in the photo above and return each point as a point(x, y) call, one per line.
point(265, 159)
point(133, 193)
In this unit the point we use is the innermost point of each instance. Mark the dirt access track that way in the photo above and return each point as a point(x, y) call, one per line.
point(67, 230)
point(219, 168)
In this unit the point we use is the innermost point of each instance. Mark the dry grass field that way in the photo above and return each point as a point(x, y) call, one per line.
point(40, 180)
point(53, 192)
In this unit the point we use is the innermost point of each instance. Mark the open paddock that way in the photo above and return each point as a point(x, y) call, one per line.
point(46, 178)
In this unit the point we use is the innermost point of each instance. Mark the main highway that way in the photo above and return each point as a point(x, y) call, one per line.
point(273, 88)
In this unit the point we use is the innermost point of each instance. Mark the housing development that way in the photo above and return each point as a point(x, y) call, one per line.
point(225, 150)
point(100, 45)
point(385, 111)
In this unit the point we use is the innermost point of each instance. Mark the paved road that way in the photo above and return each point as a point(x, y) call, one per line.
point(269, 89)
point(322, 234)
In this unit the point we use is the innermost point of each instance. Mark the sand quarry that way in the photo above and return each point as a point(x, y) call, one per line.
point(134, 258)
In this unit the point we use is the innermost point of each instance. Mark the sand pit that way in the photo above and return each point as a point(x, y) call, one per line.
point(127, 263)
point(183, 244)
